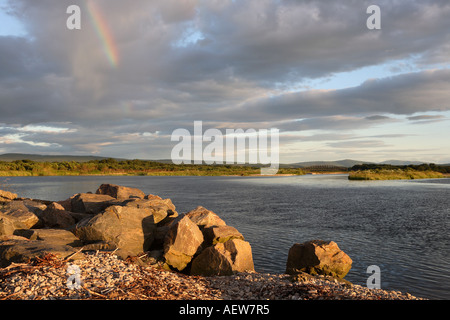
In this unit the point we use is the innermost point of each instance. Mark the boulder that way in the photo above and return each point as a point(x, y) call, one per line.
point(6, 226)
point(35, 206)
point(224, 259)
point(205, 218)
point(67, 203)
point(182, 242)
point(220, 234)
point(152, 196)
point(91, 203)
point(318, 257)
point(21, 251)
point(162, 209)
point(11, 237)
point(131, 229)
point(120, 192)
point(55, 216)
point(7, 196)
point(23, 213)
point(24, 219)
point(54, 236)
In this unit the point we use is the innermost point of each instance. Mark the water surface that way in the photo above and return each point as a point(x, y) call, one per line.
point(401, 226)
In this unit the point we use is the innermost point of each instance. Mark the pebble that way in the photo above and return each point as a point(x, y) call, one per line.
point(105, 276)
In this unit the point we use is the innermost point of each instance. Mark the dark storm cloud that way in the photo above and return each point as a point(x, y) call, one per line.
point(218, 61)
point(404, 94)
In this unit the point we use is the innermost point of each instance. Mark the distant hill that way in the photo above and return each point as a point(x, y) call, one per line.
point(401, 162)
point(47, 158)
point(347, 163)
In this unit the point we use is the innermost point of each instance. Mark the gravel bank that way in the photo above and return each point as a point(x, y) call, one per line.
point(105, 276)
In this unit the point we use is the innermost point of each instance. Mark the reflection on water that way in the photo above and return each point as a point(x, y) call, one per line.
point(401, 226)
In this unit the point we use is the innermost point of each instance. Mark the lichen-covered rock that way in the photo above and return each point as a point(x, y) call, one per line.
point(318, 257)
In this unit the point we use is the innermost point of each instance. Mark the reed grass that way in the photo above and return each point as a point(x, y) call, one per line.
point(395, 174)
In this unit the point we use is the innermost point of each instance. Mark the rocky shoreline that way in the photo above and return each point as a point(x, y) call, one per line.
point(120, 244)
point(104, 276)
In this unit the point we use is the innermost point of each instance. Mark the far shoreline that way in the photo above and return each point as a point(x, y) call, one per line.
point(253, 175)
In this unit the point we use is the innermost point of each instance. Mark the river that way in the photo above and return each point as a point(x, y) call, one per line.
point(401, 226)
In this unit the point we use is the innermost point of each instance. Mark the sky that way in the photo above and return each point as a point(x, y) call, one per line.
point(136, 71)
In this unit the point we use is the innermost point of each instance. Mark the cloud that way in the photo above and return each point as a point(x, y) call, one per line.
point(377, 118)
point(363, 144)
point(403, 94)
point(232, 64)
point(426, 119)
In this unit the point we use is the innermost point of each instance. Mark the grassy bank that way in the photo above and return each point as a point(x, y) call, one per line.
point(128, 167)
point(393, 174)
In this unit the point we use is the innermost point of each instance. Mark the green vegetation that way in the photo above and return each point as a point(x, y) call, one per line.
point(154, 168)
point(325, 168)
point(127, 167)
point(393, 175)
point(391, 172)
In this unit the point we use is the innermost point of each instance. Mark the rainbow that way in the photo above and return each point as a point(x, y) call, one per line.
point(103, 33)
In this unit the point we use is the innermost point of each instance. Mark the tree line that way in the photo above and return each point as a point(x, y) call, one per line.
point(132, 167)
point(416, 167)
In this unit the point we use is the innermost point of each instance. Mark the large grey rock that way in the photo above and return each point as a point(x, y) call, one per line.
point(21, 251)
point(182, 242)
point(91, 203)
point(120, 192)
point(318, 257)
point(224, 259)
point(131, 229)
